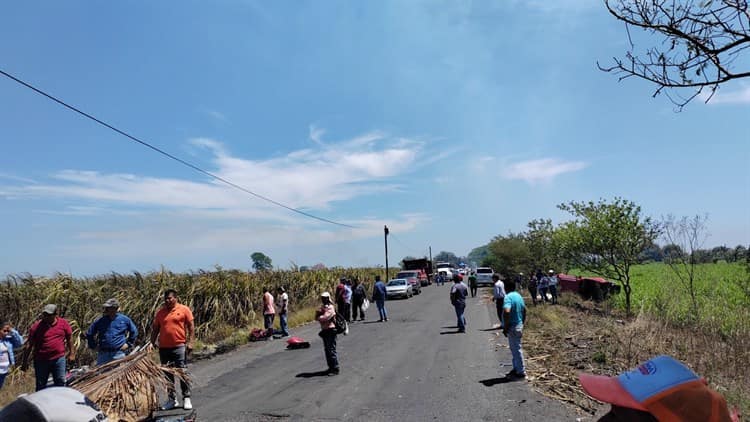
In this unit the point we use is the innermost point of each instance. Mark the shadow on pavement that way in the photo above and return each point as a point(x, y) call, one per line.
point(452, 326)
point(312, 374)
point(493, 381)
point(451, 332)
point(491, 329)
point(372, 322)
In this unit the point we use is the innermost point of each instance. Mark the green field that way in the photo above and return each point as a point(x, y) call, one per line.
point(722, 304)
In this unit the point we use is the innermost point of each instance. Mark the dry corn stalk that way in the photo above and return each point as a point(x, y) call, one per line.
point(127, 389)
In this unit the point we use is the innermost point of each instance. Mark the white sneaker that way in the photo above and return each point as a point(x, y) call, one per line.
point(170, 404)
point(186, 404)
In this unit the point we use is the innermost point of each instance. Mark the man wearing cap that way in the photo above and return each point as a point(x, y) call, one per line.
point(112, 334)
point(325, 315)
point(174, 328)
point(49, 337)
point(661, 389)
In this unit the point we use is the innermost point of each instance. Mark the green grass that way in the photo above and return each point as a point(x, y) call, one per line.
point(722, 303)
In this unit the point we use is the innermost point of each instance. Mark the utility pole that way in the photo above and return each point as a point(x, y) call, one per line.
point(385, 230)
point(432, 265)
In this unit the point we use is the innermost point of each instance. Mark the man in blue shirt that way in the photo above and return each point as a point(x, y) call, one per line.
point(378, 296)
point(514, 313)
point(112, 334)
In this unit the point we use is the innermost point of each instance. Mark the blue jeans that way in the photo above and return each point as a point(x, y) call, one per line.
point(553, 292)
point(104, 356)
point(381, 308)
point(460, 319)
point(515, 334)
point(43, 368)
point(284, 324)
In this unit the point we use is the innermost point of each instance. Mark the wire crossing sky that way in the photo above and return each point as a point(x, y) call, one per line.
point(450, 122)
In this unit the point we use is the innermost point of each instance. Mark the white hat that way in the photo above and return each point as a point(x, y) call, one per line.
point(325, 294)
point(551, 272)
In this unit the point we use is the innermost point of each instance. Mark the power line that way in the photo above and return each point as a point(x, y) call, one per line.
point(166, 154)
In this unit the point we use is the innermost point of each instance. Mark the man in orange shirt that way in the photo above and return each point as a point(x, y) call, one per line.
point(174, 328)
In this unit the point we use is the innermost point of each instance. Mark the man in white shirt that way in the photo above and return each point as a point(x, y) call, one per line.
point(283, 301)
point(498, 295)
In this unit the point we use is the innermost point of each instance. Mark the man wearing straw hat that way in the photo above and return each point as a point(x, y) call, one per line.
point(112, 334)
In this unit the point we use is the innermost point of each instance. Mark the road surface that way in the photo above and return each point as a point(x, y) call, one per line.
point(415, 367)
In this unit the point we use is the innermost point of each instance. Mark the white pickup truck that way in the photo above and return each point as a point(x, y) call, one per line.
point(484, 276)
point(446, 268)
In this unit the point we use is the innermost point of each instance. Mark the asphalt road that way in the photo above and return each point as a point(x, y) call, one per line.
point(415, 367)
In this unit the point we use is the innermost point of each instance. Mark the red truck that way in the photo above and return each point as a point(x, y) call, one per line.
point(423, 265)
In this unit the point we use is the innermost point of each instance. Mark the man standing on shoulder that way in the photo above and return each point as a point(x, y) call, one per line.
point(459, 291)
point(48, 339)
point(378, 296)
point(498, 295)
point(174, 329)
point(112, 334)
point(347, 301)
point(473, 283)
point(553, 286)
point(269, 311)
point(359, 294)
point(325, 315)
point(514, 311)
point(283, 311)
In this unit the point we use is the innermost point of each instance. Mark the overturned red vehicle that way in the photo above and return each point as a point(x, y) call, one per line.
point(595, 288)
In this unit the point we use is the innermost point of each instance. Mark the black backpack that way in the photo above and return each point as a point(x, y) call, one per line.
point(341, 325)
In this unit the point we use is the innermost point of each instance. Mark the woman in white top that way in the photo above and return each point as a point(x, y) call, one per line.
point(9, 339)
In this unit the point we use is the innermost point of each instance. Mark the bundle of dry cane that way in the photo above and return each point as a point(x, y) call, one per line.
point(128, 389)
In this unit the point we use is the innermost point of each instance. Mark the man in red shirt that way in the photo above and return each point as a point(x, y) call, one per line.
point(49, 337)
point(174, 328)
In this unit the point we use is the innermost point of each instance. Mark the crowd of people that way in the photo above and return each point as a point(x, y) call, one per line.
point(49, 343)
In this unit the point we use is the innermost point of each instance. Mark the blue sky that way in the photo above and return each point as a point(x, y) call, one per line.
point(450, 122)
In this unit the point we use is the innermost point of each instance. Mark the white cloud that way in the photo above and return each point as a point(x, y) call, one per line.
point(316, 134)
point(541, 171)
point(740, 96)
point(309, 179)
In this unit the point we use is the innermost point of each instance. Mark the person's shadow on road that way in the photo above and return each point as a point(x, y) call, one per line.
point(312, 374)
point(491, 329)
point(451, 332)
point(494, 381)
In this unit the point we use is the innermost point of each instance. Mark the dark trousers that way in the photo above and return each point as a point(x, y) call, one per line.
point(268, 320)
point(43, 369)
point(345, 309)
point(499, 307)
point(553, 292)
point(329, 347)
point(473, 290)
point(532, 292)
point(174, 357)
point(358, 307)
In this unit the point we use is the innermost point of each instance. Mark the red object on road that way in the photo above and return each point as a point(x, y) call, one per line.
point(297, 343)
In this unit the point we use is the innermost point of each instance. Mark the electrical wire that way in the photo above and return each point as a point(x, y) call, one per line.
point(166, 154)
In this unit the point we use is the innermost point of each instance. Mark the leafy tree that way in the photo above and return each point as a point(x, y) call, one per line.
point(720, 253)
point(509, 255)
point(444, 256)
point(672, 251)
point(701, 41)
point(542, 249)
point(261, 262)
point(612, 233)
point(478, 254)
point(739, 253)
point(652, 252)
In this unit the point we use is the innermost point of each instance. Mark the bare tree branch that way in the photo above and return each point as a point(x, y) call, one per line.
point(701, 42)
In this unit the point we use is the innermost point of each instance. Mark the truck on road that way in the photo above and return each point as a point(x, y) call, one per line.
point(422, 264)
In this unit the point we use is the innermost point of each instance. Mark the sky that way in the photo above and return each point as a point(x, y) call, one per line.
point(450, 122)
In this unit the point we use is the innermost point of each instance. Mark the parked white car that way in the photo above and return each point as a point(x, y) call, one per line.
point(398, 287)
point(484, 276)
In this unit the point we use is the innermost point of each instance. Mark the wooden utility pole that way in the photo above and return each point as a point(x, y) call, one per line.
point(385, 230)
